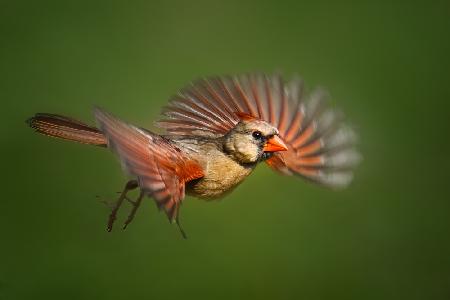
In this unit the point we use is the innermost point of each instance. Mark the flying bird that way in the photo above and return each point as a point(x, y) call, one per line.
point(217, 130)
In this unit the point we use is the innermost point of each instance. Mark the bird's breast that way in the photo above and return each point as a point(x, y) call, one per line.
point(222, 175)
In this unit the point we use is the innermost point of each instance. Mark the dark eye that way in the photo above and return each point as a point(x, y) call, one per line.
point(257, 134)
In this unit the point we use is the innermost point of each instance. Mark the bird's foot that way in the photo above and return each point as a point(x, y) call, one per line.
point(131, 185)
point(135, 208)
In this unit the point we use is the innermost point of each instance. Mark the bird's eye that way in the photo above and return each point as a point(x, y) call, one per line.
point(257, 134)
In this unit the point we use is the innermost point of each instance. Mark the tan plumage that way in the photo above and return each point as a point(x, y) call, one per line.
point(218, 130)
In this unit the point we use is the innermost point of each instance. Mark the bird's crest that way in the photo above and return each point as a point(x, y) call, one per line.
point(245, 116)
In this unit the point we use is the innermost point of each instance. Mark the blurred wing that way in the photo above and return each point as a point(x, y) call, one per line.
point(320, 145)
point(161, 168)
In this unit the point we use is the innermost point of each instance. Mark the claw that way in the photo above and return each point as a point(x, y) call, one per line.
point(131, 201)
point(133, 211)
point(109, 204)
point(131, 185)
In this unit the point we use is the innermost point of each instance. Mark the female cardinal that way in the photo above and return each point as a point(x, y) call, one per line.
point(217, 130)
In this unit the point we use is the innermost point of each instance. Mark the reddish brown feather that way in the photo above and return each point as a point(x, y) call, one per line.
point(270, 101)
point(66, 128)
point(295, 126)
point(304, 136)
point(307, 171)
point(257, 97)
point(245, 116)
point(221, 102)
point(188, 117)
point(277, 163)
point(310, 148)
point(211, 101)
point(244, 97)
point(161, 169)
point(216, 113)
point(310, 161)
point(231, 97)
point(283, 119)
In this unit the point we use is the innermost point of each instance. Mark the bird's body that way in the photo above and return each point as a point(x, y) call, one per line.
point(217, 131)
point(222, 170)
point(221, 173)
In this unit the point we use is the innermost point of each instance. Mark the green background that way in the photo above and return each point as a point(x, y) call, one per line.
point(386, 237)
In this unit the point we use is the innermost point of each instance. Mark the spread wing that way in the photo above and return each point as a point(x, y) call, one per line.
point(160, 167)
point(321, 146)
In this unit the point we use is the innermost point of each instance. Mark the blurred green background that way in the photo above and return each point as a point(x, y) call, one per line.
point(386, 237)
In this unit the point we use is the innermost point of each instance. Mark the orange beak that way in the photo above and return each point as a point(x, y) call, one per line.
point(275, 144)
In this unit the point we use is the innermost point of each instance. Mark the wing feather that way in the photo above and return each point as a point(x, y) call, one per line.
point(321, 145)
point(160, 167)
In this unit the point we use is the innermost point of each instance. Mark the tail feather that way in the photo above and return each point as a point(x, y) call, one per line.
point(66, 128)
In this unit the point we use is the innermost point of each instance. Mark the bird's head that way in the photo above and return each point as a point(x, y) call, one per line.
point(253, 140)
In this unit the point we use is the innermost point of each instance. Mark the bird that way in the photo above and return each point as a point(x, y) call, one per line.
point(216, 130)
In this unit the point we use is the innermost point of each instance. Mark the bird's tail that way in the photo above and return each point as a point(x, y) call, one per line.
point(67, 128)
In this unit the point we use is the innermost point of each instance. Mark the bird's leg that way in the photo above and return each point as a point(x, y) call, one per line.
point(135, 208)
point(131, 185)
